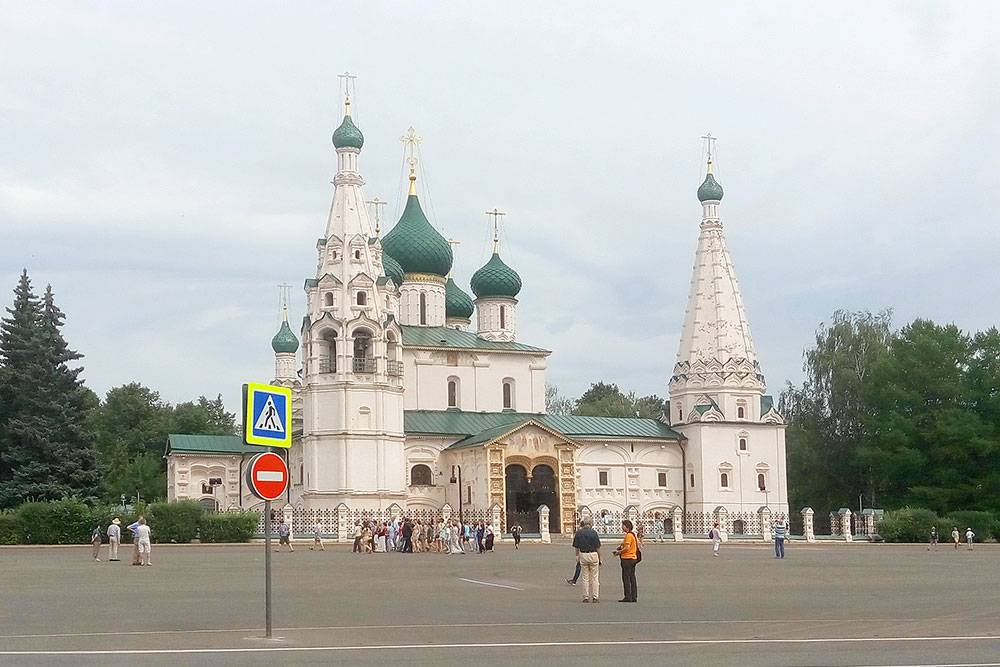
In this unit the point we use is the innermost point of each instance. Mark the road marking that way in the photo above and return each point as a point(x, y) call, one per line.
point(422, 626)
point(487, 645)
point(488, 583)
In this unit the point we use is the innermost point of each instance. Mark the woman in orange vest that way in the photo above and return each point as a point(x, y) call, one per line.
point(628, 553)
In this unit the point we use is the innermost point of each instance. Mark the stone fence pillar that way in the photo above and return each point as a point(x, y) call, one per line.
point(765, 523)
point(807, 524)
point(495, 516)
point(345, 531)
point(678, 524)
point(543, 523)
point(446, 513)
point(286, 514)
point(722, 517)
point(845, 524)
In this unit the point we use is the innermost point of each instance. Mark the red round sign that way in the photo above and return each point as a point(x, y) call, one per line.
point(267, 476)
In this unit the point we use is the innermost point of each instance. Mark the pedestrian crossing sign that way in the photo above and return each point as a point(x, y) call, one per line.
point(267, 415)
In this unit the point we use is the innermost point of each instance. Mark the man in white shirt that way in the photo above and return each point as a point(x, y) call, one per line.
point(142, 535)
point(114, 538)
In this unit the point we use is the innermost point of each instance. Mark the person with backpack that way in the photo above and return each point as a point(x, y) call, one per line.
point(95, 542)
point(780, 530)
point(629, 555)
point(716, 536)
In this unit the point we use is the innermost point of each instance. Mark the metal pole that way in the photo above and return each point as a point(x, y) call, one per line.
point(267, 568)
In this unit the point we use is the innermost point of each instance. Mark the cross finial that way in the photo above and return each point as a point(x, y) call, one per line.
point(710, 146)
point(285, 291)
point(377, 204)
point(410, 141)
point(496, 214)
point(452, 243)
point(347, 84)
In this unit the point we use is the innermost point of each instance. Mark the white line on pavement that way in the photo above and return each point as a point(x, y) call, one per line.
point(639, 642)
point(488, 583)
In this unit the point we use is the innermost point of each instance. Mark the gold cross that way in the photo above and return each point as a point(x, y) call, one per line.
point(497, 214)
point(709, 143)
point(377, 204)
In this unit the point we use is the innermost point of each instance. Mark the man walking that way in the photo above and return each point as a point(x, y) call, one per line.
point(969, 537)
point(114, 539)
point(716, 536)
point(407, 537)
point(143, 537)
point(284, 536)
point(780, 531)
point(588, 555)
point(934, 539)
point(515, 532)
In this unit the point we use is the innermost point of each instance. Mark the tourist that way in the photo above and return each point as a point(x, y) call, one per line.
point(716, 536)
point(969, 537)
point(407, 536)
point(357, 538)
point(488, 532)
point(95, 543)
point(285, 536)
point(587, 544)
point(780, 530)
point(114, 539)
point(955, 537)
point(144, 539)
point(480, 534)
point(134, 529)
point(515, 532)
point(467, 533)
point(430, 534)
point(658, 524)
point(628, 554)
point(366, 538)
point(444, 537)
point(393, 531)
point(418, 536)
point(317, 537)
point(456, 538)
point(934, 538)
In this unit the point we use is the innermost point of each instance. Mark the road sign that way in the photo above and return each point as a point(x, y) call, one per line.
point(267, 476)
point(267, 415)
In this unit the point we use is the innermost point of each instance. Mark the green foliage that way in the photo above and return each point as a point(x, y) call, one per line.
point(984, 524)
point(228, 526)
point(607, 400)
point(556, 403)
point(10, 528)
point(911, 524)
point(175, 522)
point(66, 521)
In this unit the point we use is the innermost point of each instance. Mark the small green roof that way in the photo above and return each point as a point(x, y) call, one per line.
point(210, 444)
point(416, 245)
point(766, 403)
point(392, 269)
point(710, 190)
point(495, 279)
point(348, 135)
point(447, 338)
point(456, 302)
point(284, 341)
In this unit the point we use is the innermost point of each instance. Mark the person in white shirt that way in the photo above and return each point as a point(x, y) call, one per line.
point(969, 537)
point(318, 537)
point(142, 535)
point(114, 538)
point(716, 536)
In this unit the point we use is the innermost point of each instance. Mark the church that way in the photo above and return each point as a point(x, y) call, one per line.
point(412, 393)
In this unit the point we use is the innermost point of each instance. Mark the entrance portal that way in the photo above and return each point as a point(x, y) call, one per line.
point(525, 495)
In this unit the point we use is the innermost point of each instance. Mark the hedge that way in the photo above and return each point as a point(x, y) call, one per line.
point(67, 521)
point(913, 524)
point(983, 524)
point(10, 528)
point(228, 526)
point(175, 522)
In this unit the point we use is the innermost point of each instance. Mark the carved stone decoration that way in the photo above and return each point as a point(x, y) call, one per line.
point(495, 456)
point(566, 454)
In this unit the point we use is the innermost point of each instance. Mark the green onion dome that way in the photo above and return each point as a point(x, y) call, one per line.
point(284, 341)
point(392, 269)
point(416, 245)
point(456, 302)
point(496, 279)
point(710, 190)
point(348, 135)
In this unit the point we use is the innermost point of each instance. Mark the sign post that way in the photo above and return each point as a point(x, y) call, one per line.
point(267, 421)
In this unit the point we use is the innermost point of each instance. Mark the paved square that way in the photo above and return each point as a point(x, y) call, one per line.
point(822, 605)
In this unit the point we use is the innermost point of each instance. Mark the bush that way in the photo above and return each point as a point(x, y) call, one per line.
point(228, 526)
point(175, 522)
point(983, 524)
point(911, 524)
point(67, 521)
point(10, 529)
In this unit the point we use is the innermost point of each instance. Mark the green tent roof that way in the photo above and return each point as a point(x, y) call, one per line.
point(443, 337)
point(210, 444)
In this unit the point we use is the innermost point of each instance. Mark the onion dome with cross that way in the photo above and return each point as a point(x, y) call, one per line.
point(348, 135)
point(496, 279)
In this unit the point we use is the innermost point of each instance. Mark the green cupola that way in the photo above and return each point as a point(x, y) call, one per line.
point(392, 269)
point(415, 244)
point(284, 342)
point(348, 135)
point(710, 190)
point(495, 279)
point(456, 302)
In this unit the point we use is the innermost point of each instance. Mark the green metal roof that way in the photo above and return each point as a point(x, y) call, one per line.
point(210, 444)
point(348, 135)
point(456, 302)
point(392, 269)
point(710, 190)
point(480, 427)
point(766, 403)
point(495, 279)
point(443, 337)
point(416, 245)
point(284, 341)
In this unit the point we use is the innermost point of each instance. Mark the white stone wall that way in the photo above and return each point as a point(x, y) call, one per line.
point(187, 472)
point(409, 302)
point(488, 319)
point(632, 470)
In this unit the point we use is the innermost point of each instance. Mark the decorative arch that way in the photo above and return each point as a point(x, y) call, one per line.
point(421, 475)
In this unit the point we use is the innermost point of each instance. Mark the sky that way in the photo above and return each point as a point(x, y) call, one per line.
point(165, 166)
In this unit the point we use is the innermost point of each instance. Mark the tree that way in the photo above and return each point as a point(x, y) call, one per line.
point(607, 400)
point(204, 417)
point(556, 403)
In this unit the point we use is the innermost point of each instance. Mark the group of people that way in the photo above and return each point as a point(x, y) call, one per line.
point(141, 541)
point(587, 544)
point(956, 537)
point(408, 535)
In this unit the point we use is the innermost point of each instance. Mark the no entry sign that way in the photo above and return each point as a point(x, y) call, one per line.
point(267, 476)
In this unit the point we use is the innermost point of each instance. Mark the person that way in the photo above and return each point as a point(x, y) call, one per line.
point(357, 538)
point(628, 554)
point(407, 537)
point(658, 525)
point(587, 545)
point(95, 543)
point(143, 537)
point(390, 543)
point(515, 532)
point(955, 537)
point(317, 537)
point(366, 538)
point(488, 532)
point(934, 538)
point(969, 537)
point(284, 536)
point(780, 530)
point(134, 529)
point(456, 538)
point(114, 539)
point(716, 536)
point(480, 534)
point(466, 535)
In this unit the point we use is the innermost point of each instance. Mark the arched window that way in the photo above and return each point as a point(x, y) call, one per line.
point(680, 413)
point(357, 254)
point(741, 412)
point(328, 299)
point(692, 480)
point(743, 444)
point(503, 317)
point(508, 394)
point(209, 504)
point(362, 298)
point(761, 481)
point(363, 361)
point(420, 475)
point(452, 392)
point(328, 352)
point(302, 475)
point(724, 480)
point(423, 308)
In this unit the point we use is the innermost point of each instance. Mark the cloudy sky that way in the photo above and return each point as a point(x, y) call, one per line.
point(166, 167)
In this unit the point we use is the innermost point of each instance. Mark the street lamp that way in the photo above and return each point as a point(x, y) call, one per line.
point(461, 516)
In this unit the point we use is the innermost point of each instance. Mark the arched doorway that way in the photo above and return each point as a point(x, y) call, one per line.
point(525, 494)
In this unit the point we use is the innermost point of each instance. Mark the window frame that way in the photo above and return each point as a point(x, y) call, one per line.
point(605, 475)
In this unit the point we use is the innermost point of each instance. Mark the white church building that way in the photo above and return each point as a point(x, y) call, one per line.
point(412, 394)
